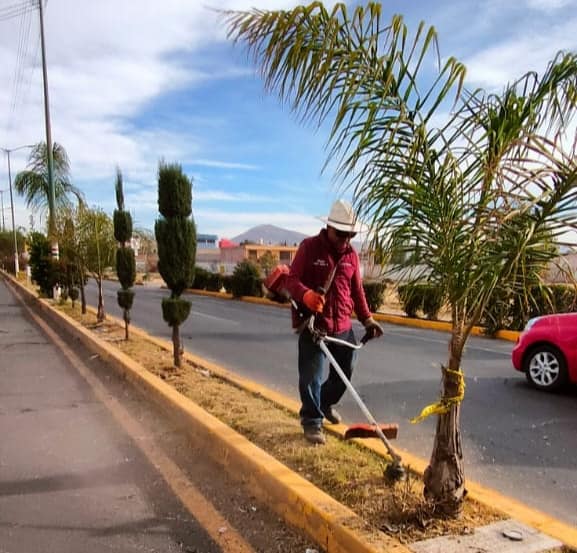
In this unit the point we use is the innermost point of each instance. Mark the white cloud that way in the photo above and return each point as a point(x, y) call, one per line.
point(547, 5)
point(509, 59)
point(222, 164)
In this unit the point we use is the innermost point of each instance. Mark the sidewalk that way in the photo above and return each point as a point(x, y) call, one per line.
point(72, 479)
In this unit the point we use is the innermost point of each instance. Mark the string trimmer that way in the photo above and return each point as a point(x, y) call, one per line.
point(394, 471)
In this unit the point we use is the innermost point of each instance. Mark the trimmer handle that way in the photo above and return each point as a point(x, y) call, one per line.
point(367, 336)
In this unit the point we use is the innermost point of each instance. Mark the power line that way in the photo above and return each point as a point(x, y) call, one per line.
point(23, 59)
point(21, 62)
point(16, 10)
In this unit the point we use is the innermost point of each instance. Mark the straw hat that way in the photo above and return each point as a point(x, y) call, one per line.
point(342, 217)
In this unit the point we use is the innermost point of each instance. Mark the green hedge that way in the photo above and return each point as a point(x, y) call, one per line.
point(246, 280)
point(375, 294)
point(206, 280)
point(508, 310)
point(421, 297)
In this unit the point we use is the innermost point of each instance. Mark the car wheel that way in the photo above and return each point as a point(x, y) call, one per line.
point(545, 368)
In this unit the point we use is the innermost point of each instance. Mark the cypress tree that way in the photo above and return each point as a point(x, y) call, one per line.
point(176, 239)
point(125, 263)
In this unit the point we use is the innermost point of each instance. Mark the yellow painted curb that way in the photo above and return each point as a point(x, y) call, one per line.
point(511, 335)
point(333, 526)
point(477, 492)
point(486, 496)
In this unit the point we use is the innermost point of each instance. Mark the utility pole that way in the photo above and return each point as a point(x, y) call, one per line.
point(50, 161)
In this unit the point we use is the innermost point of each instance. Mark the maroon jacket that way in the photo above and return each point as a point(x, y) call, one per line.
point(311, 268)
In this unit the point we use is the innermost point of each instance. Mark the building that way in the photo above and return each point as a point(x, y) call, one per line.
point(232, 255)
point(216, 256)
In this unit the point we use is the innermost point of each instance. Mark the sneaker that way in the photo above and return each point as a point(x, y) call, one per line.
point(315, 436)
point(332, 415)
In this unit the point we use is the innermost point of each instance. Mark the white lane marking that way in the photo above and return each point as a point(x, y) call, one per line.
point(446, 341)
point(195, 313)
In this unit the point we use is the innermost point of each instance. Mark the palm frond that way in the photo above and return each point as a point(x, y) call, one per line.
point(351, 68)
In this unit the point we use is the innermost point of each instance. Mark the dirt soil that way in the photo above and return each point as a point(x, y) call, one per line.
point(351, 474)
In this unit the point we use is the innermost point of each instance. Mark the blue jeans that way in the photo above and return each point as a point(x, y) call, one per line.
point(316, 396)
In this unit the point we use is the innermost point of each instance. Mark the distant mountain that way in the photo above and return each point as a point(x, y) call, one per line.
point(270, 234)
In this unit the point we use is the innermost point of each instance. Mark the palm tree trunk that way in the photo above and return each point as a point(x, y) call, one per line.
point(100, 316)
point(176, 345)
point(444, 478)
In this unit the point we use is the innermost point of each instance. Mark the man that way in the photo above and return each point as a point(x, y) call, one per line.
point(325, 277)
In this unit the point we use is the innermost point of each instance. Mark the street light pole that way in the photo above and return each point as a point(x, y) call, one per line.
point(8, 151)
point(16, 264)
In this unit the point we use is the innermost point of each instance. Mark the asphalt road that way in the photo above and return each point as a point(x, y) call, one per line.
point(516, 440)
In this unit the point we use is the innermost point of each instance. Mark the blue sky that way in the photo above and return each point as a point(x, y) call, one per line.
point(133, 81)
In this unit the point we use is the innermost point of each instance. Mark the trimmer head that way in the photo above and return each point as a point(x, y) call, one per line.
point(395, 472)
point(368, 431)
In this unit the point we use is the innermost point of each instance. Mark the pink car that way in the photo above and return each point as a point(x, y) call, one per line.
point(547, 351)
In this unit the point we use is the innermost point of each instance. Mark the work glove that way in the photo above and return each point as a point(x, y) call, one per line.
point(372, 329)
point(314, 301)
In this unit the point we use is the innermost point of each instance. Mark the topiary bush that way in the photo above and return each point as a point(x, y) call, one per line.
point(125, 299)
point(125, 262)
point(175, 311)
point(125, 267)
point(176, 239)
point(246, 280)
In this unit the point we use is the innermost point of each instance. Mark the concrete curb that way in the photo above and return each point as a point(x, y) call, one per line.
point(509, 335)
point(330, 524)
point(477, 492)
point(486, 496)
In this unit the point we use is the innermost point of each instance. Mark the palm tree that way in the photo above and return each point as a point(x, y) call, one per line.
point(32, 183)
point(450, 197)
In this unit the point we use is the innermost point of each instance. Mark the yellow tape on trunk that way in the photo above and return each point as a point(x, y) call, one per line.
point(444, 404)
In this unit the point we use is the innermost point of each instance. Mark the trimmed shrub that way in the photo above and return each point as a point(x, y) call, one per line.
point(420, 297)
point(125, 267)
point(200, 278)
point(174, 191)
point(432, 301)
point(175, 311)
point(122, 226)
point(176, 239)
point(125, 298)
point(246, 280)
point(227, 282)
point(375, 294)
point(215, 282)
point(409, 299)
